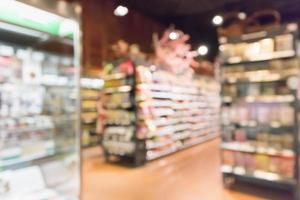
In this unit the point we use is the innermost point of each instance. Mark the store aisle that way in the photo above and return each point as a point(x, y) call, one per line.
point(174, 177)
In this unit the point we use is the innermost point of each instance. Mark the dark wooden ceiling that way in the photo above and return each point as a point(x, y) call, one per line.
point(180, 8)
point(194, 16)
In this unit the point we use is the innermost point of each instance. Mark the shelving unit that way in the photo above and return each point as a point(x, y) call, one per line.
point(153, 113)
point(260, 108)
point(39, 90)
point(90, 97)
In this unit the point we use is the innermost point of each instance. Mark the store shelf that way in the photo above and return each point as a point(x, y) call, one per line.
point(153, 145)
point(174, 89)
point(89, 121)
point(201, 139)
point(181, 136)
point(173, 149)
point(262, 99)
point(264, 58)
point(254, 80)
point(255, 124)
point(124, 88)
point(266, 118)
point(114, 76)
point(108, 124)
point(26, 129)
point(20, 160)
point(38, 104)
point(168, 95)
point(259, 175)
point(290, 28)
point(118, 147)
point(91, 145)
point(167, 111)
point(247, 148)
point(153, 156)
point(122, 106)
point(90, 98)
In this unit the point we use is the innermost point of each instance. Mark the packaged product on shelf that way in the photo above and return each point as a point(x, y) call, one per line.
point(274, 165)
point(250, 162)
point(14, 103)
point(263, 115)
point(252, 132)
point(252, 51)
point(267, 46)
point(253, 112)
point(240, 159)
point(287, 141)
point(230, 91)
point(240, 49)
point(262, 162)
point(227, 134)
point(89, 94)
point(228, 158)
point(117, 100)
point(284, 42)
point(263, 139)
point(228, 51)
point(275, 142)
point(287, 166)
point(119, 117)
point(242, 90)
point(240, 135)
point(253, 90)
point(243, 114)
point(286, 115)
point(268, 89)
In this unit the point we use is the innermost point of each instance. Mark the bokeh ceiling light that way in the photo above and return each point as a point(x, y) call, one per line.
point(202, 50)
point(121, 11)
point(173, 35)
point(242, 15)
point(217, 20)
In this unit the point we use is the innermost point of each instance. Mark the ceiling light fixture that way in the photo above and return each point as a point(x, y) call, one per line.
point(242, 15)
point(173, 35)
point(217, 20)
point(202, 50)
point(121, 11)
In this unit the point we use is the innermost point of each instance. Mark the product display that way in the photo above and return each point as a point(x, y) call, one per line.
point(281, 46)
point(39, 156)
point(90, 119)
point(175, 112)
point(119, 111)
point(259, 112)
point(156, 113)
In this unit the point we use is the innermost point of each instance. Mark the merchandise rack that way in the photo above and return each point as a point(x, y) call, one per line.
point(39, 103)
point(243, 156)
point(90, 96)
point(162, 118)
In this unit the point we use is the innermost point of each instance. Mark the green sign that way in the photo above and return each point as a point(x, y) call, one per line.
point(21, 14)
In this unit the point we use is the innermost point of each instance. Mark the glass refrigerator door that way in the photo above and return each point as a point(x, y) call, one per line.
point(39, 112)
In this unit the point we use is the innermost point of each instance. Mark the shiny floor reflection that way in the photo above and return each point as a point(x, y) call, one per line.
point(193, 174)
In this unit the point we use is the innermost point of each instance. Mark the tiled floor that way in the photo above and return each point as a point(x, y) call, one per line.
point(193, 174)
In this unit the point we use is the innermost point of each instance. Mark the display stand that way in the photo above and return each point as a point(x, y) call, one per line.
point(152, 113)
point(90, 97)
point(39, 102)
point(260, 133)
